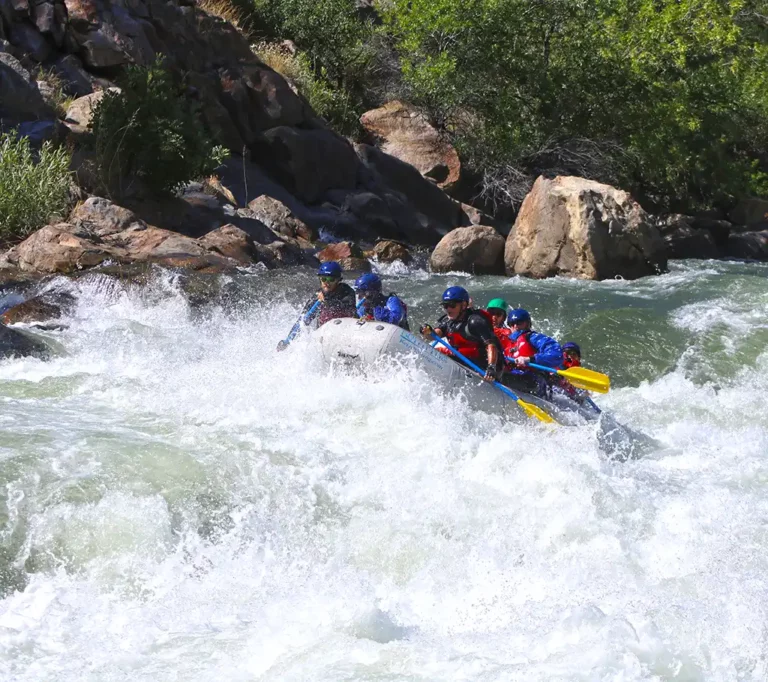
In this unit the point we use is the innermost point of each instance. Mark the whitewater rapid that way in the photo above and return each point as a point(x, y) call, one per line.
point(179, 502)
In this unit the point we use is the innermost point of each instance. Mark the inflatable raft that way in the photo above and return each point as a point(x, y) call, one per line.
point(357, 344)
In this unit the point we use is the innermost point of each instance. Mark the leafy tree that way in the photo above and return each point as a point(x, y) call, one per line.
point(668, 96)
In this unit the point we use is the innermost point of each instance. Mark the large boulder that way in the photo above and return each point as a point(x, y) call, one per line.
point(232, 242)
point(279, 218)
point(55, 248)
point(580, 228)
point(748, 245)
point(478, 249)
point(80, 111)
point(20, 100)
point(100, 217)
point(405, 133)
point(258, 99)
point(752, 212)
point(388, 251)
point(685, 240)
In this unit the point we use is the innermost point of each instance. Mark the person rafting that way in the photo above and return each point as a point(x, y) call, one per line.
point(373, 305)
point(469, 331)
point(571, 358)
point(530, 346)
point(337, 299)
point(571, 355)
point(497, 308)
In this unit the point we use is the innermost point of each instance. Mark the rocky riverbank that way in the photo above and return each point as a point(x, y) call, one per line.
point(291, 185)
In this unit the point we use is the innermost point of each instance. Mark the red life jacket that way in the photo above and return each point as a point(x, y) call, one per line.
point(468, 348)
point(570, 362)
point(522, 347)
point(502, 334)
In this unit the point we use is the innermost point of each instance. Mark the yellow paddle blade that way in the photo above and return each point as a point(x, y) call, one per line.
point(535, 411)
point(581, 377)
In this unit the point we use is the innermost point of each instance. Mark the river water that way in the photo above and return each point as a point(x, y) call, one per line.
point(179, 502)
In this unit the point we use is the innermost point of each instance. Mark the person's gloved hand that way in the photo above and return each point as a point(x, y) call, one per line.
point(491, 374)
point(426, 330)
point(522, 362)
point(281, 346)
point(321, 297)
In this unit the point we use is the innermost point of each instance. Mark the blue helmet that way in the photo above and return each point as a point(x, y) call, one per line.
point(518, 315)
point(573, 347)
point(330, 269)
point(368, 282)
point(456, 294)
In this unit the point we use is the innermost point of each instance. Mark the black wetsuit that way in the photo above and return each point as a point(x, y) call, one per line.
point(471, 334)
point(340, 302)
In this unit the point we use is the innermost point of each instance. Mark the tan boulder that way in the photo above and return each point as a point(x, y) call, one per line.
point(279, 218)
point(101, 217)
point(55, 248)
point(478, 249)
point(405, 133)
point(580, 228)
point(80, 112)
point(232, 242)
point(388, 251)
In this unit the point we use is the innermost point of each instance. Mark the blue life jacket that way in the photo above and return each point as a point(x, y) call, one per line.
point(548, 351)
point(389, 309)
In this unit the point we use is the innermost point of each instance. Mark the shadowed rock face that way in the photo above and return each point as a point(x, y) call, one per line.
point(579, 228)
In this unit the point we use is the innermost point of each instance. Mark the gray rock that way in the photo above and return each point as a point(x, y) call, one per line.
point(18, 344)
point(19, 97)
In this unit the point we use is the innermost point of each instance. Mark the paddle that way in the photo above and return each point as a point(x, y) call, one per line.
point(305, 318)
point(530, 409)
point(580, 377)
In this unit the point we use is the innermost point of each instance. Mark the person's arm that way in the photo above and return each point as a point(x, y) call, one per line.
point(393, 312)
point(548, 351)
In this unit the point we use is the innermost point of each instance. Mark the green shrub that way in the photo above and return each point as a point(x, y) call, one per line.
point(151, 133)
point(31, 192)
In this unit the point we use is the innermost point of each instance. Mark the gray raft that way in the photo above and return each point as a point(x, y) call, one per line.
point(358, 344)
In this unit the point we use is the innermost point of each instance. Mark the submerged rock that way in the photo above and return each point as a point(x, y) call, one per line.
point(581, 228)
point(42, 308)
point(17, 344)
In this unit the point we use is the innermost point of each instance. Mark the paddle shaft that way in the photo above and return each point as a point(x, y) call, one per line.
point(473, 366)
point(302, 318)
point(543, 368)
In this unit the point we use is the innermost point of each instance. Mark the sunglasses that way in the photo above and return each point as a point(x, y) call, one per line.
point(329, 280)
point(451, 304)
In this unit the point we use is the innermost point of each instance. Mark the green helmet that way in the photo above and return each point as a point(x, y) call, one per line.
point(499, 303)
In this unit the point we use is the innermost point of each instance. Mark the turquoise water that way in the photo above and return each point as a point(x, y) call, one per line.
point(179, 502)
